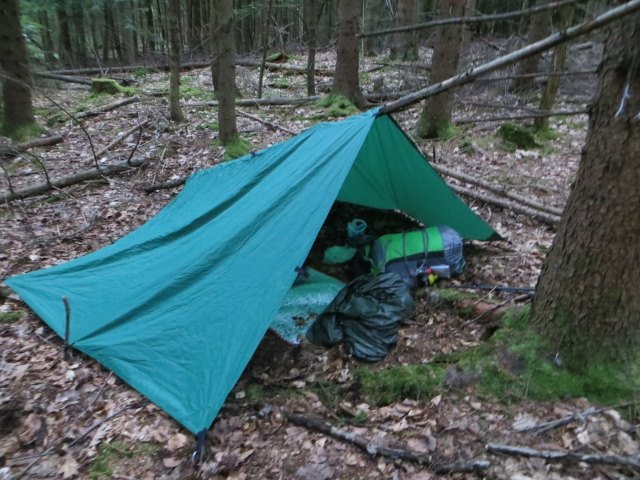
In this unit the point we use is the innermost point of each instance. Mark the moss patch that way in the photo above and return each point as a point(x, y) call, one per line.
point(335, 106)
point(111, 453)
point(412, 381)
point(513, 137)
point(237, 147)
point(24, 132)
point(10, 317)
point(109, 86)
point(197, 92)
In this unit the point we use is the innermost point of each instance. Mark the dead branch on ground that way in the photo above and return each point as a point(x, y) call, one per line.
point(107, 108)
point(563, 456)
point(271, 125)
point(63, 78)
point(524, 116)
point(35, 143)
point(374, 449)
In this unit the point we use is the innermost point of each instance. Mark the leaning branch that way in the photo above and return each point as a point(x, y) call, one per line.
point(533, 49)
point(374, 449)
point(524, 116)
point(476, 19)
point(107, 108)
point(562, 456)
point(63, 78)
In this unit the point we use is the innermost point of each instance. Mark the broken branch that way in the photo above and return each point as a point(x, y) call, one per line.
point(524, 116)
point(265, 122)
point(374, 449)
point(107, 108)
point(562, 456)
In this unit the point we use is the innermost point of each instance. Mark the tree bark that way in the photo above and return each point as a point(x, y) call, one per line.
point(214, 25)
point(346, 81)
point(373, 13)
point(597, 248)
point(311, 22)
point(435, 118)
point(404, 43)
point(80, 50)
point(175, 47)
point(557, 64)
point(47, 42)
point(64, 37)
point(225, 54)
point(540, 28)
point(16, 79)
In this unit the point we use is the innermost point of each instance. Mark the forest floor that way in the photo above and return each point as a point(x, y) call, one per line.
point(74, 419)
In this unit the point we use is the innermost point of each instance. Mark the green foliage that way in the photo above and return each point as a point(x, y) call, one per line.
point(9, 317)
point(109, 86)
point(215, 126)
point(514, 137)
point(335, 106)
point(547, 134)
point(281, 83)
point(141, 72)
point(412, 381)
point(255, 393)
point(466, 146)
point(23, 132)
point(327, 393)
point(197, 92)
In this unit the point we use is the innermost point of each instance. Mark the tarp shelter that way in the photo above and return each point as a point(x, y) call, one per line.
point(177, 307)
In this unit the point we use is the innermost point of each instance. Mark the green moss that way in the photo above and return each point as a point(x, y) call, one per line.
point(277, 57)
point(110, 453)
point(141, 72)
point(109, 86)
point(255, 393)
point(335, 106)
point(547, 134)
point(9, 317)
point(412, 381)
point(280, 83)
point(328, 393)
point(514, 136)
point(23, 132)
point(209, 126)
point(235, 148)
point(196, 92)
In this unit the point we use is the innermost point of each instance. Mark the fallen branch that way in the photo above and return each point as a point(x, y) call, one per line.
point(284, 67)
point(515, 207)
point(533, 49)
point(374, 449)
point(577, 416)
point(524, 116)
point(90, 174)
point(265, 122)
point(563, 456)
point(163, 185)
point(106, 108)
point(35, 143)
point(63, 78)
point(475, 19)
point(257, 102)
point(573, 73)
point(499, 189)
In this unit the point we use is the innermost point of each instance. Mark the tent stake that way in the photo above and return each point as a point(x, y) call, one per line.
point(201, 445)
point(67, 323)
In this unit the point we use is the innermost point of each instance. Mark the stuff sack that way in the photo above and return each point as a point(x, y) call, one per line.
point(365, 315)
point(411, 254)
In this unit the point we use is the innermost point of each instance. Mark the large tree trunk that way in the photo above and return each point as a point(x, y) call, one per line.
point(435, 119)
point(346, 81)
point(587, 303)
point(174, 48)
point(225, 54)
point(64, 37)
point(405, 45)
point(540, 28)
point(80, 50)
point(150, 42)
point(557, 65)
point(47, 41)
point(374, 12)
point(16, 79)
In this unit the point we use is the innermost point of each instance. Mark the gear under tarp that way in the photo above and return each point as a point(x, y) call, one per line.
point(177, 307)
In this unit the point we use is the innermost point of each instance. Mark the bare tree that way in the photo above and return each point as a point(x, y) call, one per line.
point(540, 28)
point(224, 53)
point(16, 79)
point(597, 247)
point(405, 45)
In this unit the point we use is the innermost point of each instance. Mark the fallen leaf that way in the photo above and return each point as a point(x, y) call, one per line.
point(70, 468)
point(176, 442)
point(31, 425)
point(171, 462)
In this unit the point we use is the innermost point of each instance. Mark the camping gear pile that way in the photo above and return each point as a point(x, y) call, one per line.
point(177, 307)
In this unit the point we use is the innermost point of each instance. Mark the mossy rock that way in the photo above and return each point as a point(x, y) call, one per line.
point(336, 106)
point(108, 86)
point(518, 137)
point(277, 57)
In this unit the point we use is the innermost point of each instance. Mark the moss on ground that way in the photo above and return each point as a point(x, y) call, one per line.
point(108, 86)
point(514, 364)
point(236, 147)
point(110, 453)
point(514, 136)
point(24, 132)
point(9, 317)
point(335, 106)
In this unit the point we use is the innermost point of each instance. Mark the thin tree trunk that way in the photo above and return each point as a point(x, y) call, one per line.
point(404, 43)
point(47, 42)
point(265, 47)
point(557, 64)
point(151, 32)
point(597, 248)
point(311, 22)
point(16, 89)
point(346, 81)
point(226, 71)
point(374, 11)
point(65, 53)
point(174, 48)
point(435, 119)
point(80, 53)
point(214, 25)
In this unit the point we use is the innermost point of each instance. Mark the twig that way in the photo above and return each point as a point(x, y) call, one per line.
point(563, 456)
point(545, 427)
point(163, 185)
point(374, 449)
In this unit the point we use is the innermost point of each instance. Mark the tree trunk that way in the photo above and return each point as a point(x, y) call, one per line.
point(435, 119)
point(150, 42)
point(557, 65)
point(213, 42)
point(311, 22)
point(265, 47)
point(16, 91)
point(373, 14)
point(64, 37)
point(174, 49)
point(346, 81)
point(540, 28)
point(80, 50)
point(47, 42)
point(404, 44)
point(225, 53)
point(597, 248)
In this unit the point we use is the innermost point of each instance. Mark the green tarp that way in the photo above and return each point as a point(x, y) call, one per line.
point(177, 307)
